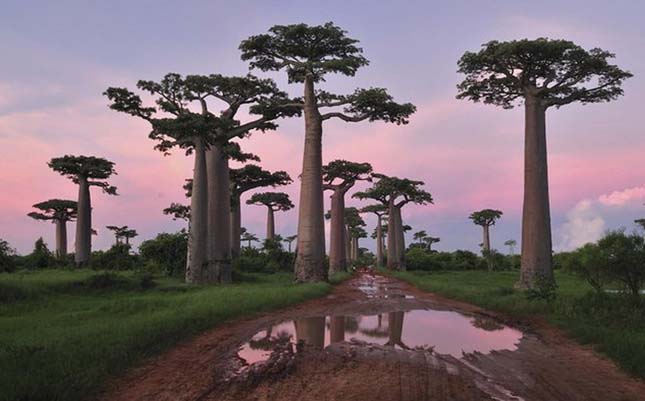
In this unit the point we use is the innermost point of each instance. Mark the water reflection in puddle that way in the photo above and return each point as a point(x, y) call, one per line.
point(445, 332)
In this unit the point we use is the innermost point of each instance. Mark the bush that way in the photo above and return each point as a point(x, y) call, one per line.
point(7, 253)
point(116, 258)
point(625, 260)
point(417, 258)
point(40, 258)
point(166, 252)
point(590, 263)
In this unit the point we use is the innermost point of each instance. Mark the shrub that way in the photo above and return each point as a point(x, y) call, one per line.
point(625, 259)
point(167, 252)
point(7, 253)
point(590, 263)
point(40, 258)
point(118, 257)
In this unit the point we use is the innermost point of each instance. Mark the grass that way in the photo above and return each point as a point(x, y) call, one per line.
point(61, 335)
point(612, 324)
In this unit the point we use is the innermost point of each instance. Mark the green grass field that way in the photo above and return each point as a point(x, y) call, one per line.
point(61, 335)
point(613, 324)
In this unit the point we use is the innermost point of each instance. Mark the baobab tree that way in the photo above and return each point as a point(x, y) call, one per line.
point(118, 231)
point(420, 237)
point(86, 172)
point(274, 202)
point(289, 240)
point(431, 240)
point(244, 179)
point(379, 210)
point(543, 73)
point(640, 223)
point(308, 53)
point(486, 218)
point(395, 193)
point(59, 212)
point(247, 236)
point(339, 176)
point(511, 243)
point(353, 224)
point(189, 123)
point(128, 234)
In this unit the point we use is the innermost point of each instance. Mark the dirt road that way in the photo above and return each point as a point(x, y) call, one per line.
point(376, 338)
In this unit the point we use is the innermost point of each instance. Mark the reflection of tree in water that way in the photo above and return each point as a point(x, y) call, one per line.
point(395, 323)
point(337, 329)
point(485, 323)
point(311, 331)
point(269, 342)
point(380, 331)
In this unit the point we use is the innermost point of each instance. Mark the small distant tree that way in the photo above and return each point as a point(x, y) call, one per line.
point(511, 243)
point(119, 233)
point(86, 172)
point(59, 212)
point(41, 257)
point(308, 54)
point(244, 179)
point(273, 201)
point(486, 218)
point(395, 193)
point(380, 211)
point(542, 73)
point(248, 237)
point(289, 240)
point(420, 237)
point(640, 223)
point(339, 176)
point(431, 240)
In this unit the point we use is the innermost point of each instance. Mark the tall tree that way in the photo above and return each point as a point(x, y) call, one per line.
point(273, 201)
point(395, 193)
point(129, 234)
point(354, 224)
point(339, 176)
point(86, 172)
point(59, 212)
point(192, 125)
point(308, 53)
point(289, 240)
point(244, 179)
point(543, 73)
point(380, 211)
point(248, 237)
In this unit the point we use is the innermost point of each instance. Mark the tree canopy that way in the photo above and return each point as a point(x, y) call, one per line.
point(392, 188)
point(558, 72)
point(343, 174)
point(485, 217)
point(55, 209)
point(93, 169)
point(253, 176)
point(178, 211)
point(273, 200)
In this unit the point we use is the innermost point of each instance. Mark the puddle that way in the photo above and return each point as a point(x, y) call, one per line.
point(445, 332)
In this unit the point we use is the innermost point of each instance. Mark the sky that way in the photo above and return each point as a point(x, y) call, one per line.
point(59, 57)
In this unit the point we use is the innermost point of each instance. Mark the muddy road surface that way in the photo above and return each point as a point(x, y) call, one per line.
point(377, 338)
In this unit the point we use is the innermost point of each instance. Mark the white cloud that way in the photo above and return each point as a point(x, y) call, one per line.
point(584, 224)
point(620, 198)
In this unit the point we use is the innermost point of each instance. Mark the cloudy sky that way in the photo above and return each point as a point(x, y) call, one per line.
point(58, 57)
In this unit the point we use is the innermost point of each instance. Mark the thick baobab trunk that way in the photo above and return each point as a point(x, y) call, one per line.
point(270, 223)
point(198, 229)
point(336, 329)
point(379, 241)
point(83, 246)
point(236, 225)
point(393, 260)
point(61, 238)
point(536, 217)
point(219, 217)
point(310, 258)
point(400, 239)
point(337, 247)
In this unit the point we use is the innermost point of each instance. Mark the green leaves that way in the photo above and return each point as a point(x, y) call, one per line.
point(376, 104)
point(389, 189)
point(557, 72)
point(304, 50)
point(253, 176)
point(273, 200)
point(485, 217)
point(87, 167)
point(55, 209)
point(345, 171)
